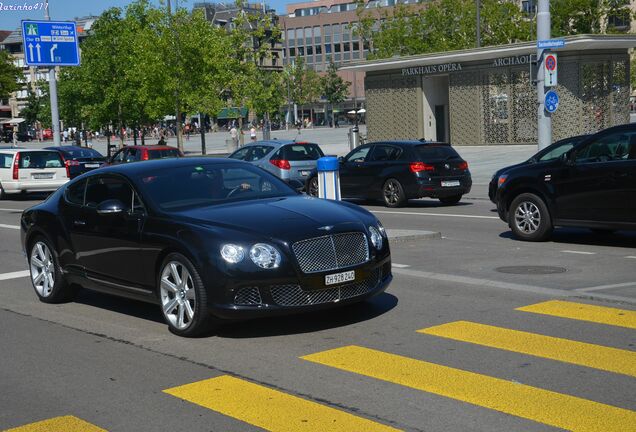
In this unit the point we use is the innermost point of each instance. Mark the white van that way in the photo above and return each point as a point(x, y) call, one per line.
point(23, 170)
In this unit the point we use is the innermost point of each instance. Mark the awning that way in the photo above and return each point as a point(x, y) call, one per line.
point(231, 113)
point(14, 121)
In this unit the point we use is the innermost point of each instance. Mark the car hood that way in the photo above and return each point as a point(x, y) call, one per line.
point(287, 218)
point(508, 168)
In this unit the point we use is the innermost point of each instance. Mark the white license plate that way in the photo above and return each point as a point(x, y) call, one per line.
point(451, 183)
point(304, 173)
point(339, 278)
point(46, 176)
point(91, 165)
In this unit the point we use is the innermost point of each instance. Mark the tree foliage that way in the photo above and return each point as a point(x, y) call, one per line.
point(304, 83)
point(10, 74)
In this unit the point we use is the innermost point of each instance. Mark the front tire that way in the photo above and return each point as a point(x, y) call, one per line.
point(451, 200)
point(183, 297)
point(393, 193)
point(529, 218)
point(48, 281)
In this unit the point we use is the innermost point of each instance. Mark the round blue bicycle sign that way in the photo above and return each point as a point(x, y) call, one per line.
point(551, 101)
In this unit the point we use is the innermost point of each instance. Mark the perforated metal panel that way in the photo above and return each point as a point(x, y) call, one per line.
point(392, 107)
point(567, 121)
point(465, 108)
point(524, 108)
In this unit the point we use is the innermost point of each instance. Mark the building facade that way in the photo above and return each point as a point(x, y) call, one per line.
point(486, 96)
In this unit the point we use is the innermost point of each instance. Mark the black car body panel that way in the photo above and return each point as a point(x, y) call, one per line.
point(567, 142)
point(580, 188)
point(84, 159)
point(122, 254)
point(365, 178)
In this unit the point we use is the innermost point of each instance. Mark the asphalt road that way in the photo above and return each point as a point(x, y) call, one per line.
point(445, 349)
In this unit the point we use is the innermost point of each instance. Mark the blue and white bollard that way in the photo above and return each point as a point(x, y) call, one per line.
point(328, 178)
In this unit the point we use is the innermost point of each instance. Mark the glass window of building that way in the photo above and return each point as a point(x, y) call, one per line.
point(327, 58)
point(336, 32)
point(308, 38)
point(328, 49)
point(301, 51)
point(336, 58)
point(346, 56)
point(356, 55)
point(336, 48)
point(318, 49)
point(346, 47)
point(292, 52)
point(355, 46)
point(309, 50)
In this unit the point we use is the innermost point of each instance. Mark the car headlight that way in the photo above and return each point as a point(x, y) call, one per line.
point(376, 237)
point(265, 256)
point(232, 253)
point(501, 180)
point(381, 229)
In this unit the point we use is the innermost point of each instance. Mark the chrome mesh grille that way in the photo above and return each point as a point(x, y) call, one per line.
point(294, 295)
point(248, 296)
point(331, 252)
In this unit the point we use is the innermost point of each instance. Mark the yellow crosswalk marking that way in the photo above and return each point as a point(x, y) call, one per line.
point(544, 406)
point(584, 312)
point(579, 353)
point(270, 409)
point(58, 424)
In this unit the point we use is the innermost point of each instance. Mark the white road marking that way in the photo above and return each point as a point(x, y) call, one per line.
point(15, 227)
point(488, 283)
point(604, 287)
point(631, 257)
point(10, 209)
point(578, 252)
point(434, 214)
point(14, 275)
point(400, 265)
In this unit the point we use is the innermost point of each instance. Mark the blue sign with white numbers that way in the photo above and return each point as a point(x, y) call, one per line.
point(50, 43)
point(551, 101)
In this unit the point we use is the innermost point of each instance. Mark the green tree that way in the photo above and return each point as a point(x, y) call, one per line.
point(334, 88)
point(33, 109)
point(304, 83)
point(10, 74)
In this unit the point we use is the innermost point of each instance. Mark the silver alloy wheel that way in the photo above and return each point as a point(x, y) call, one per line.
point(42, 269)
point(178, 297)
point(527, 217)
point(392, 192)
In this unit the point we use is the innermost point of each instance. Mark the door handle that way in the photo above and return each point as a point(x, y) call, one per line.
point(79, 223)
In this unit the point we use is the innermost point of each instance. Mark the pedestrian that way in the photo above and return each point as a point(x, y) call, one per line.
point(253, 133)
point(234, 135)
point(65, 135)
point(162, 142)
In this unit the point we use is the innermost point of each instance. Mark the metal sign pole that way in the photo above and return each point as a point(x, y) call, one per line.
point(544, 124)
point(55, 112)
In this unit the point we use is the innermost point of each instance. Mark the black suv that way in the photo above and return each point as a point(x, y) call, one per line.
point(592, 185)
point(396, 171)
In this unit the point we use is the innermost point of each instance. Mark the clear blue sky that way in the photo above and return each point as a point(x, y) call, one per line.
point(69, 9)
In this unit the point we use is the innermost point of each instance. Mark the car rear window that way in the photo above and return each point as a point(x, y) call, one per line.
point(43, 159)
point(83, 154)
point(301, 152)
point(6, 160)
point(161, 154)
point(432, 152)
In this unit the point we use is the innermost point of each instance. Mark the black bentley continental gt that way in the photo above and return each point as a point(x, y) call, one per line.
point(206, 239)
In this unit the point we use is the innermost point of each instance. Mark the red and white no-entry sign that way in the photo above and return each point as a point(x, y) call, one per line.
point(550, 70)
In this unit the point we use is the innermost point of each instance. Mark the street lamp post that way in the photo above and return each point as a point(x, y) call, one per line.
point(544, 119)
point(55, 112)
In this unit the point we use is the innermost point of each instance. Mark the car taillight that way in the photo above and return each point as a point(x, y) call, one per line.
point(70, 163)
point(421, 166)
point(463, 166)
point(144, 155)
point(16, 170)
point(280, 163)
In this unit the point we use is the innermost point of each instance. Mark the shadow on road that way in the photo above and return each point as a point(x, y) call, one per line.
point(120, 305)
point(578, 236)
point(310, 322)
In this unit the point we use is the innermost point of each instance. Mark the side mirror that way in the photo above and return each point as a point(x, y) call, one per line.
point(297, 185)
point(111, 207)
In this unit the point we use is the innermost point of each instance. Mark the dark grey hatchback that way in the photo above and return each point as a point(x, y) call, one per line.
point(396, 171)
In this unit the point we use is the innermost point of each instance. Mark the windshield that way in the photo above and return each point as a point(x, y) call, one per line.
point(204, 185)
point(436, 152)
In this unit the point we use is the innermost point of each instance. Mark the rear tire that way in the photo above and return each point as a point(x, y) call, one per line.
point(312, 187)
point(2, 194)
point(529, 218)
point(48, 281)
point(451, 199)
point(183, 298)
point(393, 193)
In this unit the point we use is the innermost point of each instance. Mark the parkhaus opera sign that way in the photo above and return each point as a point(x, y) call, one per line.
point(456, 67)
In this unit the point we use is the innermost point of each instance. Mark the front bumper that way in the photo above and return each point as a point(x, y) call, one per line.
point(291, 296)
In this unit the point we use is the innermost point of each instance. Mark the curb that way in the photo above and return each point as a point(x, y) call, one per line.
point(400, 235)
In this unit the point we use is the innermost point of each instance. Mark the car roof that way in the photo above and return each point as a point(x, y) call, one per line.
point(65, 148)
point(410, 142)
point(135, 168)
point(276, 143)
point(151, 147)
point(22, 149)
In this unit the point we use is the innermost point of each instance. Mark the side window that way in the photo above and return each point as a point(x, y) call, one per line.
point(75, 193)
point(384, 153)
point(617, 146)
point(556, 152)
point(6, 160)
point(119, 156)
point(240, 154)
point(100, 189)
point(358, 156)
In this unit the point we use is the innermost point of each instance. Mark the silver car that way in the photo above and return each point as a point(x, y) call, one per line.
point(289, 160)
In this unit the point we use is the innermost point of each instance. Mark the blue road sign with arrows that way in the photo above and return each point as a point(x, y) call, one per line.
point(50, 43)
point(551, 101)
